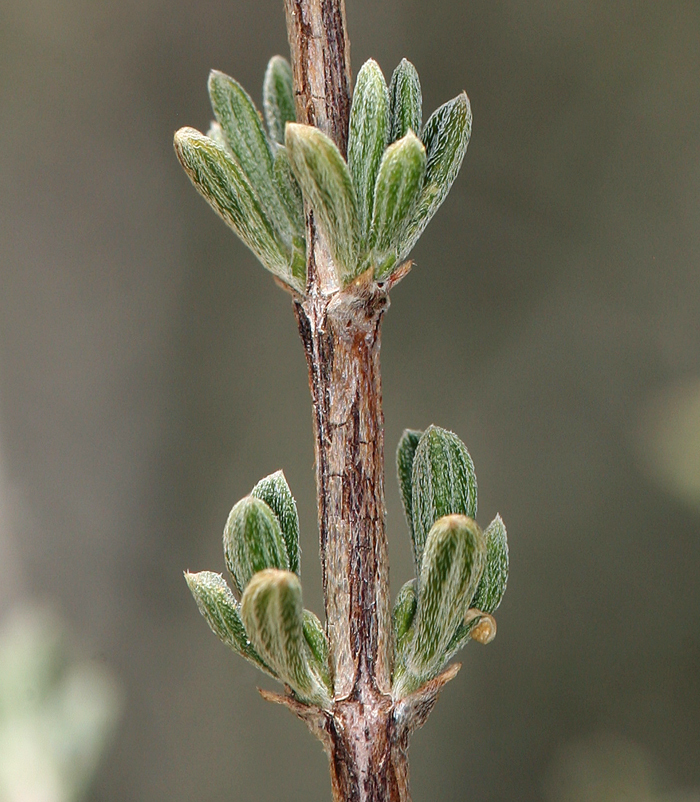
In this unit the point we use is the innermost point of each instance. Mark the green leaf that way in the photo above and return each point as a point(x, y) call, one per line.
point(325, 181)
point(318, 644)
point(445, 136)
point(490, 592)
point(222, 183)
point(275, 492)
point(406, 101)
point(272, 612)
point(368, 137)
point(222, 612)
point(289, 191)
point(217, 135)
point(242, 128)
point(453, 562)
point(253, 541)
point(403, 613)
point(397, 190)
point(278, 97)
point(443, 483)
point(404, 468)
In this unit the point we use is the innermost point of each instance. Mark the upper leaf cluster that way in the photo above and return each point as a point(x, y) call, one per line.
point(461, 572)
point(372, 207)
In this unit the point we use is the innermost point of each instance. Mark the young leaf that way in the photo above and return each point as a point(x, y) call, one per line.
point(404, 469)
point(397, 189)
point(325, 180)
point(445, 136)
point(278, 97)
point(493, 583)
point(275, 492)
point(272, 612)
point(222, 183)
point(368, 137)
point(252, 541)
point(243, 131)
point(318, 644)
point(443, 483)
point(289, 192)
point(222, 612)
point(406, 101)
point(453, 562)
point(404, 612)
point(217, 135)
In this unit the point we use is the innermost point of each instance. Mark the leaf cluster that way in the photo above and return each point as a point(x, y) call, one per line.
point(263, 618)
point(372, 207)
point(461, 572)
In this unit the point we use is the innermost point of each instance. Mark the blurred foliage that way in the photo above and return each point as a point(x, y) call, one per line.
point(669, 439)
point(607, 768)
point(57, 711)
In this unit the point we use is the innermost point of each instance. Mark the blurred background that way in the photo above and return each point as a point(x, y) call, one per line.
point(150, 374)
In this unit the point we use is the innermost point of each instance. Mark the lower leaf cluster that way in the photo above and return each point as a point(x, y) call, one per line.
point(265, 621)
point(461, 572)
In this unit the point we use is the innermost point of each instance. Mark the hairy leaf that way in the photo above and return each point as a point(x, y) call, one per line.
point(289, 191)
point(278, 97)
point(403, 613)
point(367, 138)
point(404, 468)
point(272, 612)
point(222, 612)
point(443, 483)
point(222, 183)
point(253, 541)
point(242, 128)
point(397, 190)
point(318, 644)
point(445, 136)
point(406, 101)
point(493, 583)
point(275, 492)
point(325, 180)
point(453, 562)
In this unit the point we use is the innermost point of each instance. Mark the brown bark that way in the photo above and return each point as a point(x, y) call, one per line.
point(340, 330)
point(366, 732)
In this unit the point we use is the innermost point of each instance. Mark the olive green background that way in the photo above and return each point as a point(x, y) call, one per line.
point(150, 374)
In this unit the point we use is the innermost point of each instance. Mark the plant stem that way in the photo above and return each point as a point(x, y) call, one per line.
point(340, 330)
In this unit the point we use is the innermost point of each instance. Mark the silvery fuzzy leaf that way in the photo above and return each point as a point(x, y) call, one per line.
point(445, 136)
point(318, 644)
point(243, 130)
point(222, 183)
point(404, 469)
point(278, 97)
point(252, 541)
point(443, 483)
point(397, 190)
point(406, 109)
point(289, 191)
point(368, 137)
point(453, 562)
point(222, 612)
point(217, 135)
point(490, 592)
point(275, 492)
point(403, 613)
point(272, 613)
point(325, 181)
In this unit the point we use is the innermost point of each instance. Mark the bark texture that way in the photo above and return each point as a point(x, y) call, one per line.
point(340, 331)
point(366, 732)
